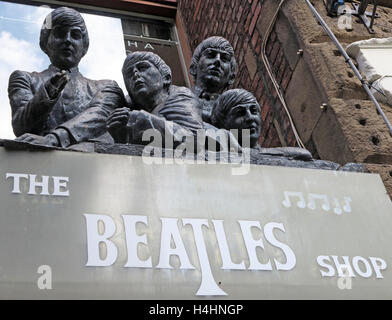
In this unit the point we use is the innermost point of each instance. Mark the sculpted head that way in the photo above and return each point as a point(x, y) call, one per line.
point(238, 109)
point(213, 65)
point(64, 37)
point(146, 75)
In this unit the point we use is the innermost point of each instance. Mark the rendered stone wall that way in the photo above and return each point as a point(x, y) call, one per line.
point(350, 129)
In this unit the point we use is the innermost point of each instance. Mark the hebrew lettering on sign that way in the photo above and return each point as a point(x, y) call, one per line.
point(287, 203)
point(316, 201)
point(324, 200)
point(347, 206)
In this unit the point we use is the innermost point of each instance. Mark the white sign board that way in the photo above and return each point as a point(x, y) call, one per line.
point(75, 225)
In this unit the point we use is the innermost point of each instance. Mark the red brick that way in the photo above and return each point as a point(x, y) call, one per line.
point(274, 52)
point(220, 13)
point(278, 61)
point(235, 41)
point(228, 17)
point(211, 13)
point(261, 140)
point(234, 30)
point(290, 137)
point(260, 90)
point(266, 108)
point(258, 46)
point(234, 14)
point(269, 47)
point(197, 9)
point(254, 19)
point(279, 76)
point(255, 83)
point(255, 2)
point(255, 37)
point(239, 13)
point(286, 79)
point(215, 27)
point(228, 30)
point(247, 22)
point(264, 113)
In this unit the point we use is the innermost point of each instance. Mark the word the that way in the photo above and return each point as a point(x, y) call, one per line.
point(170, 235)
point(360, 265)
point(57, 184)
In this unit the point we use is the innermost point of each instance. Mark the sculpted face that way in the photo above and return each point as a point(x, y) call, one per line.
point(143, 80)
point(214, 69)
point(245, 116)
point(65, 46)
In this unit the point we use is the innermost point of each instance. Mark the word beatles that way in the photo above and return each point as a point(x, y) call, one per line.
point(170, 233)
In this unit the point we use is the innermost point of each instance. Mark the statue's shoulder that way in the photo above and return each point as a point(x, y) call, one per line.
point(26, 74)
point(19, 77)
point(102, 84)
point(176, 90)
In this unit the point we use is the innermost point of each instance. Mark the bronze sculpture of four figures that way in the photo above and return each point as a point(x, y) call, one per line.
point(60, 107)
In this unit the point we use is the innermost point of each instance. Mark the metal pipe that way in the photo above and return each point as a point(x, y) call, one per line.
point(373, 15)
point(349, 61)
point(363, 6)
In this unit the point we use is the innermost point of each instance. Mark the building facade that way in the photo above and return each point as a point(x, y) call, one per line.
point(130, 226)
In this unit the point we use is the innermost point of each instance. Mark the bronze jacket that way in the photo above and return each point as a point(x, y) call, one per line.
point(81, 109)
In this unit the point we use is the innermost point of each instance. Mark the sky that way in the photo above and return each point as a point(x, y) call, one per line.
point(20, 27)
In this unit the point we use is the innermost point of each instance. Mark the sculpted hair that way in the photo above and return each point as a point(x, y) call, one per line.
point(156, 60)
point(227, 101)
point(66, 17)
point(214, 43)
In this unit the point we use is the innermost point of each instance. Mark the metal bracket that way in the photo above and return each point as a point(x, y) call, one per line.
point(365, 14)
point(359, 10)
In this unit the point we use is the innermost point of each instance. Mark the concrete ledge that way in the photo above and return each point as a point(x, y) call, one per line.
point(255, 156)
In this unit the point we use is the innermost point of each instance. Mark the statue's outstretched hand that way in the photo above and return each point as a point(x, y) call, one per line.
point(55, 85)
point(116, 124)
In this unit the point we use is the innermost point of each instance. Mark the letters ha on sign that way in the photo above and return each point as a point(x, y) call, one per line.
point(169, 232)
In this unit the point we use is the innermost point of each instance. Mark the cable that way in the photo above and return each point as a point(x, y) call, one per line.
point(349, 61)
point(381, 91)
point(275, 83)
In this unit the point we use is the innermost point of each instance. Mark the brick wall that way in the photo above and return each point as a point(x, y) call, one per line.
point(240, 22)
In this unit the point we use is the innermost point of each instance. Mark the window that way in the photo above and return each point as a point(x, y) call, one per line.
point(374, 60)
point(112, 35)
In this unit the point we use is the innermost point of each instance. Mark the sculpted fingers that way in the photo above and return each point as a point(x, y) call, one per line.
point(62, 81)
point(119, 112)
point(27, 137)
point(30, 138)
point(118, 118)
point(121, 119)
point(56, 84)
point(56, 78)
